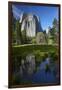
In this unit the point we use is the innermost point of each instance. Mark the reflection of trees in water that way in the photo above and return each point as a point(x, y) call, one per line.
point(29, 66)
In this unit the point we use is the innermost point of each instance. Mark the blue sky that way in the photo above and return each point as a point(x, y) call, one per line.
point(46, 14)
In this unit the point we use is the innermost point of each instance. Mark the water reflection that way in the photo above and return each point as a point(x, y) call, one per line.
point(27, 66)
point(29, 72)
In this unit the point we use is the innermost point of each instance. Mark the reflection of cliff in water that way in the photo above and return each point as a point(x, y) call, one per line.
point(31, 72)
point(27, 66)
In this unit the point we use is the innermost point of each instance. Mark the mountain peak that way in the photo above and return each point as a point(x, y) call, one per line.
point(30, 23)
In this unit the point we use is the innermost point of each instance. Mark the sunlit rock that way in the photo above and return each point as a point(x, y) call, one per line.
point(30, 23)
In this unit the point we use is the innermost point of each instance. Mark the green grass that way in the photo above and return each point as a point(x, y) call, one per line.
point(40, 52)
point(23, 50)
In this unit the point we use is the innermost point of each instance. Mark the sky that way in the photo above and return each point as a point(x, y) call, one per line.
point(46, 14)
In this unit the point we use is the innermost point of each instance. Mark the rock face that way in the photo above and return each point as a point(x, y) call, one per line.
point(27, 28)
point(30, 23)
point(40, 39)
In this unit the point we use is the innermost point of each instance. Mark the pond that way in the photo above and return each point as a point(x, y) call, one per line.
point(46, 72)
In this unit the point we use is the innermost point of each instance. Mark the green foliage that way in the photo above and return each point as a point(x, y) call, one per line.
point(33, 41)
point(24, 37)
point(20, 37)
point(16, 31)
point(21, 49)
point(54, 56)
point(15, 80)
point(47, 68)
point(46, 37)
point(54, 22)
point(52, 32)
point(40, 52)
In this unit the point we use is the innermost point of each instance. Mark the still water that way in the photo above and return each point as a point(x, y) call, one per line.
point(45, 72)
